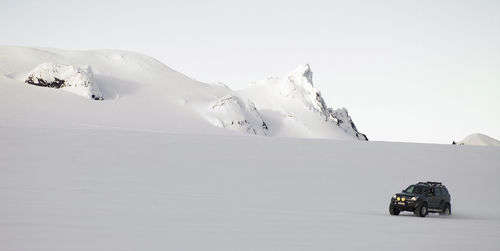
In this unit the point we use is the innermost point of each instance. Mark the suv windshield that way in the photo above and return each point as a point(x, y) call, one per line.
point(415, 189)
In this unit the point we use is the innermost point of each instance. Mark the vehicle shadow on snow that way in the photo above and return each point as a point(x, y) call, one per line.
point(437, 216)
point(410, 214)
point(115, 88)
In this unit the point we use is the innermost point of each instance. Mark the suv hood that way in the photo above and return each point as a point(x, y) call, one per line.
point(407, 195)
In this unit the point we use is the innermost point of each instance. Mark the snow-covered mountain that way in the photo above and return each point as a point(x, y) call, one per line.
point(138, 92)
point(478, 139)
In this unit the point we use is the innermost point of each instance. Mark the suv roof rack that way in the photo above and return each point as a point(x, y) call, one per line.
point(432, 183)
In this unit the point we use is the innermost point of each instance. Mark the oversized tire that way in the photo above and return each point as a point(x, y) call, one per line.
point(421, 210)
point(446, 209)
point(393, 210)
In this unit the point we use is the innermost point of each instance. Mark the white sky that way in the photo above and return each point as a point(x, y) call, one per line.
point(414, 71)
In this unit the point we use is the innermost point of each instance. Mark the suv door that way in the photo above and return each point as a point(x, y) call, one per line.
point(433, 198)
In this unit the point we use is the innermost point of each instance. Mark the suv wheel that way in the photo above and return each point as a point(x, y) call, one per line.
point(446, 209)
point(421, 210)
point(393, 210)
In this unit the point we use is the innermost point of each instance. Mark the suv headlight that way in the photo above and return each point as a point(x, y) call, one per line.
point(413, 198)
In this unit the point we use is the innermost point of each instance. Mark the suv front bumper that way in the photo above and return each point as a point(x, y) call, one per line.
point(408, 205)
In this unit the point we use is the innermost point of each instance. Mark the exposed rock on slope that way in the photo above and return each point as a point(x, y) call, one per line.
point(69, 78)
point(233, 113)
point(344, 121)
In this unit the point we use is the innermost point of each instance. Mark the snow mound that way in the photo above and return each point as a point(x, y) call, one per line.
point(234, 113)
point(67, 77)
point(221, 85)
point(478, 139)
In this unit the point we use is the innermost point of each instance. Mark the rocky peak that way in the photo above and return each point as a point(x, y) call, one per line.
point(303, 71)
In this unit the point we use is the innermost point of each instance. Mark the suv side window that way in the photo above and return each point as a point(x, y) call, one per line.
point(425, 190)
point(439, 191)
point(418, 190)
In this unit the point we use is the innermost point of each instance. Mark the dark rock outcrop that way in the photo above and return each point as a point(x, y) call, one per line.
point(69, 78)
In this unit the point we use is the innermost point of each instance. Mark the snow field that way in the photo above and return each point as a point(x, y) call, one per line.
point(108, 189)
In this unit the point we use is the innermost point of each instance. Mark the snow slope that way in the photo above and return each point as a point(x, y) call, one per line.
point(478, 139)
point(109, 189)
point(142, 93)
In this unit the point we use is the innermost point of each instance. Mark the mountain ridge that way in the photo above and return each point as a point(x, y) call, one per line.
point(160, 94)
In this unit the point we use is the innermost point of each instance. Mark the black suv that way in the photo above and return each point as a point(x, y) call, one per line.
point(422, 198)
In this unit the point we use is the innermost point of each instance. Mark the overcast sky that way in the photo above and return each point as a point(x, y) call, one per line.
point(413, 71)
